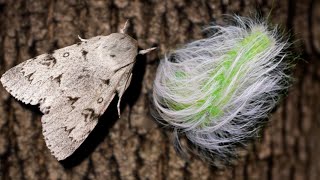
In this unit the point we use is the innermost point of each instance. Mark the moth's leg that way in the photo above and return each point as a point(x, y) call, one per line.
point(125, 28)
point(145, 51)
point(121, 89)
point(81, 39)
point(123, 66)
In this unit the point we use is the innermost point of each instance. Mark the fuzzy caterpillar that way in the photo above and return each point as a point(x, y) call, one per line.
point(218, 90)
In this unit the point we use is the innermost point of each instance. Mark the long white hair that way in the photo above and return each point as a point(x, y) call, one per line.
point(218, 90)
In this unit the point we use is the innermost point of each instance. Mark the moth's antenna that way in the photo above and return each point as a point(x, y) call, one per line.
point(125, 28)
point(145, 51)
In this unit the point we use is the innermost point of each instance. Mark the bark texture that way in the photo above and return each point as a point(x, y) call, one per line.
point(134, 146)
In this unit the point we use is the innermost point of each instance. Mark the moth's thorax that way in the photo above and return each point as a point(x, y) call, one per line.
point(118, 49)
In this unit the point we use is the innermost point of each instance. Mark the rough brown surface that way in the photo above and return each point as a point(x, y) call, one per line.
point(134, 146)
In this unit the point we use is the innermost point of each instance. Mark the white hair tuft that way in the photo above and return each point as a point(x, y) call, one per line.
point(218, 90)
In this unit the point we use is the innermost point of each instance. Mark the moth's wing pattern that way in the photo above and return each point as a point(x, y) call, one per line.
point(31, 81)
point(72, 119)
point(73, 87)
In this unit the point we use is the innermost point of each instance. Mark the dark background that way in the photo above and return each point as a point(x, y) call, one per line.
point(134, 146)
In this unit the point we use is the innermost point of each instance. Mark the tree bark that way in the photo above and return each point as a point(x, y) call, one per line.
point(135, 146)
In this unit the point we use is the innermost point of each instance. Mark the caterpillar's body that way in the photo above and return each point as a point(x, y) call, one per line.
point(219, 89)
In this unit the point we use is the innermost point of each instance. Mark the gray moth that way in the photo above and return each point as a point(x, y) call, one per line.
point(74, 86)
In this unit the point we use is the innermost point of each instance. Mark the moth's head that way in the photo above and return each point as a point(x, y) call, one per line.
point(118, 49)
